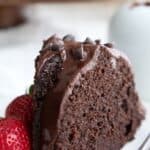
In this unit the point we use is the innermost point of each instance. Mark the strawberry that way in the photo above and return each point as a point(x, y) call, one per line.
point(13, 135)
point(21, 108)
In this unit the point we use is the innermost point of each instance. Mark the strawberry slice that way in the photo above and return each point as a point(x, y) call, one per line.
point(14, 135)
point(21, 108)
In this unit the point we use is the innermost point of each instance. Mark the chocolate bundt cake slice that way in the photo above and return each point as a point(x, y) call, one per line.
point(86, 97)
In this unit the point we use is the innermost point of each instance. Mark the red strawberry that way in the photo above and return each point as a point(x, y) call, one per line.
point(13, 135)
point(21, 108)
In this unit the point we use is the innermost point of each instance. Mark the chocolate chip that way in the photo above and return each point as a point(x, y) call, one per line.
point(98, 42)
point(79, 53)
point(88, 41)
point(110, 45)
point(55, 47)
point(69, 38)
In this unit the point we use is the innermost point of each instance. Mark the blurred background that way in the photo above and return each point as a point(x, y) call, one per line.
point(24, 24)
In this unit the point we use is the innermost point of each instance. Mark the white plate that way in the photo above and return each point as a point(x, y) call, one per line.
point(142, 132)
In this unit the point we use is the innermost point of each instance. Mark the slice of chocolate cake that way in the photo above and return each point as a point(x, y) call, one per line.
point(86, 97)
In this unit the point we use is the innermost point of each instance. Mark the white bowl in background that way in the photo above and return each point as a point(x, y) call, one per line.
point(130, 31)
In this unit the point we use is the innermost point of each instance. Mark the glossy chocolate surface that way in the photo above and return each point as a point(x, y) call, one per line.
point(73, 57)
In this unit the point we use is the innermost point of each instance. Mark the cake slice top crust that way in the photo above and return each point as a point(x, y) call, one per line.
point(68, 56)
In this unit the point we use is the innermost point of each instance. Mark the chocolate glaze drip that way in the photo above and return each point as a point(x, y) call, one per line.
point(47, 76)
point(57, 66)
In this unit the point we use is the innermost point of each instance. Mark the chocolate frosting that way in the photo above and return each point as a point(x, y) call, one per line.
point(75, 58)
